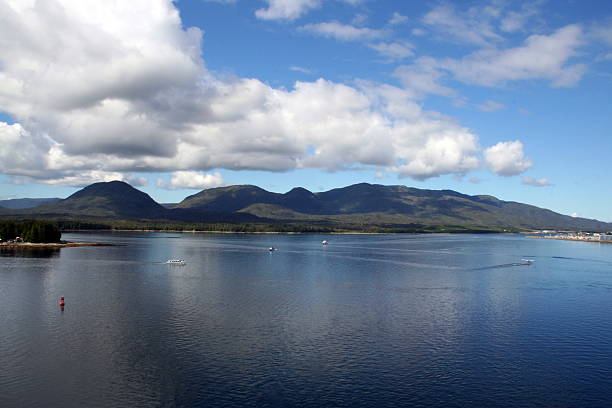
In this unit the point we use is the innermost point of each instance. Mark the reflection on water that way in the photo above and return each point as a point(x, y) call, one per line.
point(366, 321)
point(30, 252)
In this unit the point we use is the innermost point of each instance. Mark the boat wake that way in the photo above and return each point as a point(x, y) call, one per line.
point(524, 262)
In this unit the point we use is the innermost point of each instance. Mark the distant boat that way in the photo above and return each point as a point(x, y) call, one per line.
point(324, 242)
point(175, 262)
point(526, 261)
point(272, 249)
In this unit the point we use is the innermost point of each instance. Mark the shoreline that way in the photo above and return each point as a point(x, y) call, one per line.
point(285, 232)
point(597, 241)
point(246, 232)
point(53, 245)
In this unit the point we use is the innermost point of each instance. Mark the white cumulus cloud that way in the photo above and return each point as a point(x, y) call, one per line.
point(507, 158)
point(192, 180)
point(21, 152)
point(108, 89)
point(82, 178)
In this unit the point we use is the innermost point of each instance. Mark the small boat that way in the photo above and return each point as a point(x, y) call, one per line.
point(324, 242)
point(272, 249)
point(175, 262)
point(526, 261)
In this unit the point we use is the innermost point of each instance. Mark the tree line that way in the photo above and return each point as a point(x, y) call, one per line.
point(56, 225)
point(30, 231)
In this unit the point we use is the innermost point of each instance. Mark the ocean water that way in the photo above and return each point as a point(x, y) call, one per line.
point(366, 321)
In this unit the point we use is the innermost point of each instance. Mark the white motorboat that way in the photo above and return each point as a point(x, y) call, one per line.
point(324, 242)
point(526, 261)
point(175, 262)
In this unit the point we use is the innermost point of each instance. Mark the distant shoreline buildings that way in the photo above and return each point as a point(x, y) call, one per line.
point(604, 237)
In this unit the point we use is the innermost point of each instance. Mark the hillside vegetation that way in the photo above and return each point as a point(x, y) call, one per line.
point(360, 207)
point(29, 231)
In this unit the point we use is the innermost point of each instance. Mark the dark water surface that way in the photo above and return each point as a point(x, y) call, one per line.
point(368, 321)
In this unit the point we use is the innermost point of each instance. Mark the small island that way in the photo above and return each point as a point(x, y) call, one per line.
point(35, 234)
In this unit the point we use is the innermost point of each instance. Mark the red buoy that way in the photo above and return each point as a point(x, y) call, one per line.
point(61, 302)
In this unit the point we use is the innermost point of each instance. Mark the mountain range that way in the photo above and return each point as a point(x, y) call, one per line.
point(21, 203)
point(355, 207)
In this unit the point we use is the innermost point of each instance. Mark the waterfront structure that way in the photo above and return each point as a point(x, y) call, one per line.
point(582, 236)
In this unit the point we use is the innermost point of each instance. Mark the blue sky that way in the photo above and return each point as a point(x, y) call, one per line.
point(505, 98)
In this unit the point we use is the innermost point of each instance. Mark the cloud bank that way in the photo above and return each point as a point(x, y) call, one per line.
point(108, 89)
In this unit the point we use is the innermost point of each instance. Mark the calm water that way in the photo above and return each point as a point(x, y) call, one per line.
point(368, 321)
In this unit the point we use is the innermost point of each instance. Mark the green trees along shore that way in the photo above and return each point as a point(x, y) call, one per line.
point(29, 231)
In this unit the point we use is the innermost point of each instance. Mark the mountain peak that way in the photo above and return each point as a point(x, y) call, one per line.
point(361, 204)
point(105, 188)
point(299, 191)
point(230, 198)
point(108, 199)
